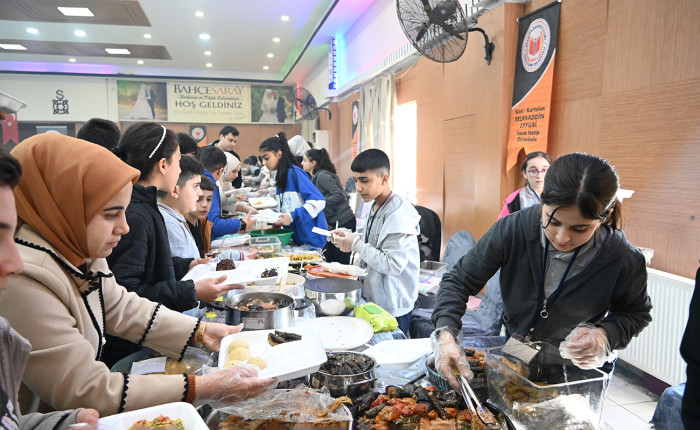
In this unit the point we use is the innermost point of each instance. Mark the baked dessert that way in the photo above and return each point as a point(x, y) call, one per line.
point(225, 264)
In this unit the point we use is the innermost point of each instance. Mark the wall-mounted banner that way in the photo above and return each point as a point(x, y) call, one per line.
point(534, 73)
point(272, 104)
point(142, 101)
point(208, 103)
point(355, 127)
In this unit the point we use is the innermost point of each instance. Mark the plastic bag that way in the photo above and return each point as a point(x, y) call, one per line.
point(344, 269)
point(449, 354)
point(380, 319)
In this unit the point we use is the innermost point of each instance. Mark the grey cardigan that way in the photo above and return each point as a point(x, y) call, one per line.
point(14, 352)
point(610, 291)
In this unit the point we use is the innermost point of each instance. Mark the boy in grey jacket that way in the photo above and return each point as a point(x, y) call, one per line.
point(388, 246)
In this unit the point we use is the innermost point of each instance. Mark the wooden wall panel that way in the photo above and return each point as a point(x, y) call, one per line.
point(651, 43)
point(574, 127)
point(460, 175)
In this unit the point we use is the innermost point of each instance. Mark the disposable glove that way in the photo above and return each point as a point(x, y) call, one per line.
point(449, 355)
point(587, 346)
point(344, 239)
point(230, 384)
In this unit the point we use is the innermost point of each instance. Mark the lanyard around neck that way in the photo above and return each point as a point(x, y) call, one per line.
point(542, 301)
point(374, 215)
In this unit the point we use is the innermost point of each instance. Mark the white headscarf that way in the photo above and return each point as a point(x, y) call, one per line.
point(231, 163)
point(298, 145)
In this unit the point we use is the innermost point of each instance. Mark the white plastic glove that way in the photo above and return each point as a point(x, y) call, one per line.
point(344, 239)
point(587, 346)
point(230, 384)
point(449, 355)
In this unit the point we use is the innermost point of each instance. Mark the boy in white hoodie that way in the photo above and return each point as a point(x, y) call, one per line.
point(388, 246)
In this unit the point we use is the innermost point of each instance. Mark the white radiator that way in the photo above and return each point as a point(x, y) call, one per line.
point(656, 350)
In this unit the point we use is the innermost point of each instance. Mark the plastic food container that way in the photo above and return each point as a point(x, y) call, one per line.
point(284, 234)
point(285, 361)
point(184, 411)
point(430, 275)
point(267, 246)
point(546, 391)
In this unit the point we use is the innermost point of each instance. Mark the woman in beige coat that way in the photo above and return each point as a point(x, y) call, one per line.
point(70, 202)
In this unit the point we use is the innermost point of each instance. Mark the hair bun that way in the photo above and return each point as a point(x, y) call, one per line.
point(119, 152)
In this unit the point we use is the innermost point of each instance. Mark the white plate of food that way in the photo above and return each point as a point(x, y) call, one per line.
point(343, 333)
point(262, 202)
point(287, 360)
point(185, 412)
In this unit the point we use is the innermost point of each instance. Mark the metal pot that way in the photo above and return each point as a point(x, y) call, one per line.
point(352, 386)
point(282, 317)
point(333, 296)
point(301, 306)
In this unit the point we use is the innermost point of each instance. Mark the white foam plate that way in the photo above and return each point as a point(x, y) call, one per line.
point(246, 271)
point(230, 240)
point(262, 202)
point(185, 411)
point(399, 353)
point(343, 333)
point(286, 361)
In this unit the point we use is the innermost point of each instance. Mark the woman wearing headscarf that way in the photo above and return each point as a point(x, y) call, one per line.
point(228, 199)
point(71, 202)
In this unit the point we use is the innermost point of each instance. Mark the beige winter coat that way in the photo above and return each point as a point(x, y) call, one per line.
point(65, 318)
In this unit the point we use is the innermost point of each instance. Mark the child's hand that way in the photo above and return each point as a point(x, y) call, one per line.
point(197, 261)
point(209, 289)
point(240, 198)
point(284, 219)
point(250, 224)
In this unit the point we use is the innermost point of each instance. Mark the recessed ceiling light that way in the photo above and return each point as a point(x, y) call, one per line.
point(32, 30)
point(139, 62)
point(72, 60)
point(79, 33)
point(117, 51)
point(209, 65)
point(207, 52)
point(276, 39)
point(204, 36)
point(199, 14)
point(76, 11)
point(270, 55)
point(147, 36)
point(284, 18)
point(12, 47)
point(266, 67)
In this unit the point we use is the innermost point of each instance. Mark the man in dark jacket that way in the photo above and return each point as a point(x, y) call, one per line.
point(690, 350)
point(228, 138)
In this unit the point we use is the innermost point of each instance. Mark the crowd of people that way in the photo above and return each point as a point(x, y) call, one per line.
point(107, 225)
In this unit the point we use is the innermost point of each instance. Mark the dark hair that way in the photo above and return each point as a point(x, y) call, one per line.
point(207, 184)
point(187, 144)
point(189, 168)
point(212, 158)
point(322, 159)
point(371, 159)
point(532, 155)
point(100, 131)
point(229, 129)
point(279, 143)
point(10, 169)
point(140, 140)
point(586, 181)
point(252, 160)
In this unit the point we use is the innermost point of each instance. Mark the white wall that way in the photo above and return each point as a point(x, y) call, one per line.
point(370, 39)
point(87, 97)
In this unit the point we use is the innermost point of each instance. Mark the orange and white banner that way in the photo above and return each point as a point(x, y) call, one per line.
point(534, 73)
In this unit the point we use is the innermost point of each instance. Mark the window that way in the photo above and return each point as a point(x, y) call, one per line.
point(404, 151)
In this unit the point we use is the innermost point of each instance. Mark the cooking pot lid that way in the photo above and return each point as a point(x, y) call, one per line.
point(333, 285)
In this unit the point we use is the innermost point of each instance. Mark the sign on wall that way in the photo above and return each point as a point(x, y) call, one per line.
point(142, 101)
point(272, 104)
point(208, 103)
point(532, 91)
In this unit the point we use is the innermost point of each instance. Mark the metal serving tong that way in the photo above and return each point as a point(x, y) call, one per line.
point(485, 416)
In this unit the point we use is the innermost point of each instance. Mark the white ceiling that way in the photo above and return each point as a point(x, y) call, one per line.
point(241, 37)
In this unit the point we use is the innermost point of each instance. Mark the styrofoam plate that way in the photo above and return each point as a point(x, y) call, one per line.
point(286, 361)
point(262, 202)
point(185, 411)
point(343, 333)
point(399, 353)
point(246, 271)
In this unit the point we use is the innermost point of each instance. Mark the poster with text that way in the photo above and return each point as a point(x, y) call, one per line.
point(142, 101)
point(534, 74)
point(272, 104)
point(208, 102)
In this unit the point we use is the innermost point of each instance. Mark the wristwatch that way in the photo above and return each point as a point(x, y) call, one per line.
point(244, 226)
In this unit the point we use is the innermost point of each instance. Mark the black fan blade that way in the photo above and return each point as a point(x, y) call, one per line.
point(422, 32)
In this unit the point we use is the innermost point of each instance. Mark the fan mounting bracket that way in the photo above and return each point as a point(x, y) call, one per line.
point(488, 46)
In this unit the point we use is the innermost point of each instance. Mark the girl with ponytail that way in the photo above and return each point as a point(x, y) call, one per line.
point(568, 274)
point(301, 204)
point(318, 164)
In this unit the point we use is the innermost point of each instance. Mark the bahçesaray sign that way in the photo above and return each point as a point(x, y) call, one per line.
point(212, 103)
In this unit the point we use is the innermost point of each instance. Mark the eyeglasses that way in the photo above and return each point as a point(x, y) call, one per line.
point(535, 172)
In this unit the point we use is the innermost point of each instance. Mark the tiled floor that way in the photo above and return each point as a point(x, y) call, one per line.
point(628, 404)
